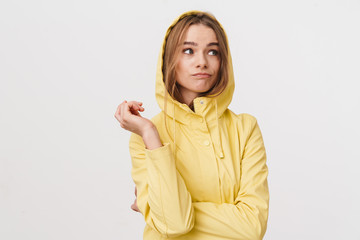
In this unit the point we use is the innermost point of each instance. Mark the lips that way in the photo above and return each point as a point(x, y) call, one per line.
point(202, 75)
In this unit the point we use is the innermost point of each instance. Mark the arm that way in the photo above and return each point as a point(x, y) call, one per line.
point(247, 217)
point(162, 196)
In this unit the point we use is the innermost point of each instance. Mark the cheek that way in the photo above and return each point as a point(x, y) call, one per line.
point(181, 68)
point(216, 66)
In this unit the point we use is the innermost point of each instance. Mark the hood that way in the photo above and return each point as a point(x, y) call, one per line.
point(213, 108)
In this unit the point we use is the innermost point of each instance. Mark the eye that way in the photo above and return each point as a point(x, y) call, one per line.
point(188, 51)
point(213, 52)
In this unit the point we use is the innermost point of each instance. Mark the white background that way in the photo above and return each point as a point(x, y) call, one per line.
point(66, 65)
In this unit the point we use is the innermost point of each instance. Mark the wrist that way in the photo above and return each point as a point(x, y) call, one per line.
point(151, 138)
point(148, 130)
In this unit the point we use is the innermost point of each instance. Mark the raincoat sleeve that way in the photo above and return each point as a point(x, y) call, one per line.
point(162, 196)
point(247, 217)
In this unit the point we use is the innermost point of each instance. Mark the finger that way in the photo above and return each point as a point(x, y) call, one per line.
point(118, 112)
point(123, 112)
point(137, 105)
point(135, 191)
point(133, 108)
point(135, 207)
point(141, 107)
point(128, 111)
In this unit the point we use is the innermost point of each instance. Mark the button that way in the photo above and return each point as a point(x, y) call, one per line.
point(201, 102)
point(206, 143)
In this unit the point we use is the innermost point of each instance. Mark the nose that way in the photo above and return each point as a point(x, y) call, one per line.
point(201, 61)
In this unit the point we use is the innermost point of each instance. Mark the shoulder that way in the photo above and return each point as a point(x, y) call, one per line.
point(246, 117)
point(244, 124)
point(244, 120)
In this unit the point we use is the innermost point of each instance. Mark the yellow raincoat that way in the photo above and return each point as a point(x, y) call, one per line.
point(213, 184)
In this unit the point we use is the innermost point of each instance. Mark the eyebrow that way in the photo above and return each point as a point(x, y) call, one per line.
point(195, 44)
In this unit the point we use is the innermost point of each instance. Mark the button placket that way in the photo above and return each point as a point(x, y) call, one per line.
point(205, 142)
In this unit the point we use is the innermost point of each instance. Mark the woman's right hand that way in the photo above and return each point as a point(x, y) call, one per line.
point(130, 119)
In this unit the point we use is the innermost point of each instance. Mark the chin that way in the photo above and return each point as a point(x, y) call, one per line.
point(201, 90)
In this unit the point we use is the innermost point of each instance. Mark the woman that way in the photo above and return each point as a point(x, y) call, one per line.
point(200, 170)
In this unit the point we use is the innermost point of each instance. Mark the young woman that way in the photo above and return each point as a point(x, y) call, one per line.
point(200, 170)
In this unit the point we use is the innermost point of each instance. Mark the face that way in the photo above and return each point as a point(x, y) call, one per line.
point(198, 64)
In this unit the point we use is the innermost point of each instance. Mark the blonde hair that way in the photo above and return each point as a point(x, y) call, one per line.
point(172, 46)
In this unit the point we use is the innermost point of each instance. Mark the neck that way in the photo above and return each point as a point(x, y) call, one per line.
point(188, 97)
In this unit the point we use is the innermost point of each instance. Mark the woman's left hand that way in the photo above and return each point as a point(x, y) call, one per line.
point(134, 205)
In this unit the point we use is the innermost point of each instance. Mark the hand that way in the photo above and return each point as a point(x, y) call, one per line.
point(130, 119)
point(134, 205)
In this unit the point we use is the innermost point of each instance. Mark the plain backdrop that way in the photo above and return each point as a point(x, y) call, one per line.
point(66, 65)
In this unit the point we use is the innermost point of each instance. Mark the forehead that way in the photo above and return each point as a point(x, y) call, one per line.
point(200, 33)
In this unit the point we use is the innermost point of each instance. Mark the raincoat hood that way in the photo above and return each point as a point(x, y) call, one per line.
point(181, 112)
